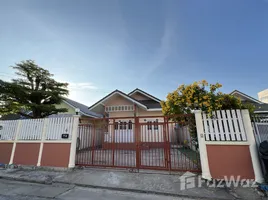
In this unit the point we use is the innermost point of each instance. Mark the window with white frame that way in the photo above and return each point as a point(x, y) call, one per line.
point(123, 125)
point(119, 108)
point(152, 125)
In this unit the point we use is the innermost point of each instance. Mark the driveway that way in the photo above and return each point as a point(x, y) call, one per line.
point(152, 158)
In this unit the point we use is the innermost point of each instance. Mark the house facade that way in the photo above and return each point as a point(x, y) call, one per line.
point(260, 107)
point(126, 113)
point(73, 108)
point(263, 96)
point(118, 104)
point(76, 108)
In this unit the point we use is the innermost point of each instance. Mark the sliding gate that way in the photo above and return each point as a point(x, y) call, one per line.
point(138, 143)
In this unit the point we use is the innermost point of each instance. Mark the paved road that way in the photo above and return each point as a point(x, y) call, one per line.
point(13, 190)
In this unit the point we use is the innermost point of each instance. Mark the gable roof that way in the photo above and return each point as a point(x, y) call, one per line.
point(83, 108)
point(150, 104)
point(120, 93)
point(260, 107)
point(246, 96)
point(145, 94)
point(153, 104)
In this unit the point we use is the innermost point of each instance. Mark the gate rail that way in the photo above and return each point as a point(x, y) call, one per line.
point(157, 142)
point(260, 127)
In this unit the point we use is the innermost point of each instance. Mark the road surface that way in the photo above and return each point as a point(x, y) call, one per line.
point(13, 190)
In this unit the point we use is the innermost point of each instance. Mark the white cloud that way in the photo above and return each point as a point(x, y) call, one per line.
point(84, 92)
point(164, 49)
point(82, 86)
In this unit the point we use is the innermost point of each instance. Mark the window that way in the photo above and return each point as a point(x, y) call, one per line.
point(123, 125)
point(119, 108)
point(149, 125)
point(116, 126)
point(152, 125)
point(130, 125)
point(156, 124)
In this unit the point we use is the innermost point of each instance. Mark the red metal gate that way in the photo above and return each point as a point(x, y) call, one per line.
point(159, 143)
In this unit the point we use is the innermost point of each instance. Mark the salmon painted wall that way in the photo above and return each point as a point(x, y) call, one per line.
point(227, 160)
point(117, 100)
point(56, 155)
point(122, 114)
point(142, 112)
point(26, 153)
point(5, 152)
point(53, 155)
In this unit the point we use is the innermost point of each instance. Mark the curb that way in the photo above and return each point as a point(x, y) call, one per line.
point(26, 180)
point(107, 188)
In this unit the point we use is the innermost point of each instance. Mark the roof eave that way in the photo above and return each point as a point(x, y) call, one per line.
point(93, 116)
point(145, 94)
point(246, 96)
point(154, 109)
point(86, 114)
point(119, 93)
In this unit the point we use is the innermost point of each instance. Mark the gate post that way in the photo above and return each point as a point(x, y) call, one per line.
point(202, 146)
point(137, 140)
point(73, 142)
point(252, 146)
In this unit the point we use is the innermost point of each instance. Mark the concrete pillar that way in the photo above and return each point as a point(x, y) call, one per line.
point(74, 141)
point(252, 146)
point(15, 143)
point(42, 142)
point(202, 146)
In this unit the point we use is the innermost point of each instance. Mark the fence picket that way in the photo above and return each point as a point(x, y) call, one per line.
point(226, 129)
point(215, 123)
point(8, 129)
point(225, 125)
point(31, 129)
point(222, 138)
point(236, 128)
point(206, 126)
point(211, 129)
point(230, 123)
point(241, 125)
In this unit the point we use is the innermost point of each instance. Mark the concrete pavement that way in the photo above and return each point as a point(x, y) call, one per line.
point(152, 182)
point(13, 190)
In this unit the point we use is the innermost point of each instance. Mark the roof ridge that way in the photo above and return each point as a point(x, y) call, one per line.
point(260, 102)
point(119, 91)
point(142, 91)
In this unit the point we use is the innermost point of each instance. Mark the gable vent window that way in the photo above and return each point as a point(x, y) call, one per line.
point(119, 108)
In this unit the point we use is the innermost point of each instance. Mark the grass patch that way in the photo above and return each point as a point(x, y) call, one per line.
point(189, 153)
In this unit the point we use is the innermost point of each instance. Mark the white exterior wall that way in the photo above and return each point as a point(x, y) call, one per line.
point(263, 96)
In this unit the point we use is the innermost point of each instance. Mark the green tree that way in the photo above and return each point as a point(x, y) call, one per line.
point(198, 96)
point(33, 94)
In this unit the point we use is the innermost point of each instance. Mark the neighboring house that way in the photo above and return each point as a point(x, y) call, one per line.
point(122, 108)
point(263, 96)
point(72, 106)
point(260, 107)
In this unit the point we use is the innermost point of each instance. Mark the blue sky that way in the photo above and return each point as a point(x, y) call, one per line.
point(101, 45)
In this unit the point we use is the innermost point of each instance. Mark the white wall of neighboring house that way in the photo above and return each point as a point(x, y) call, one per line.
point(263, 96)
